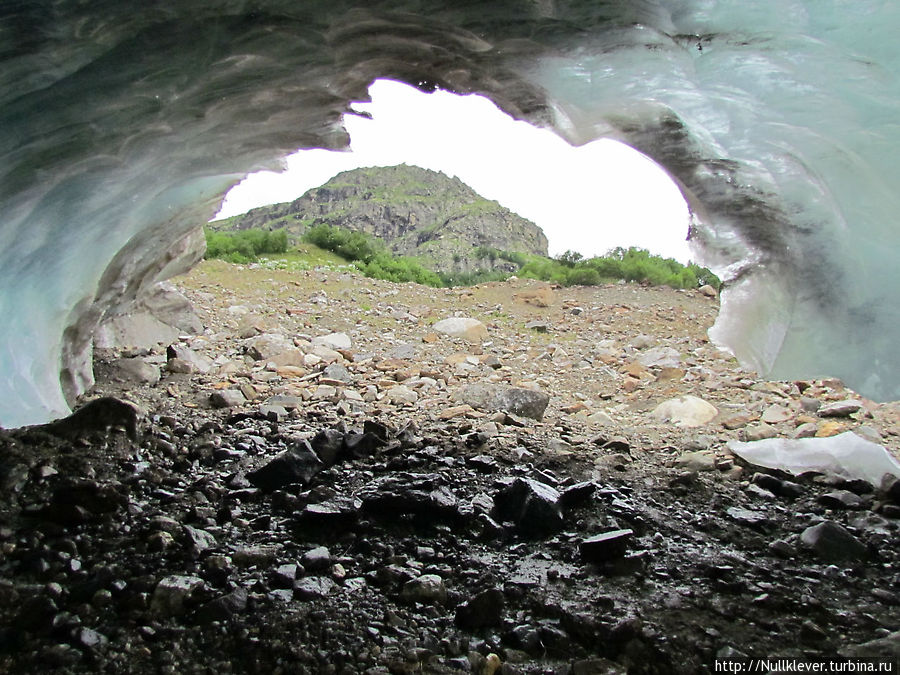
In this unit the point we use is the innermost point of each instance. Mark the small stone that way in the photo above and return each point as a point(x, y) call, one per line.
point(336, 372)
point(516, 400)
point(401, 394)
point(806, 430)
point(840, 408)
point(607, 546)
point(427, 589)
point(758, 432)
point(199, 540)
point(841, 499)
point(534, 507)
point(775, 414)
point(832, 542)
point(335, 341)
point(317, 559)
point(224, 607)
point(227, 398)
point(135, 370)
point(747, 517)
point(483, 610)
point(708, 291)
point(171, 592)
point(297, 465)
point(697, 461)
point(313, 588)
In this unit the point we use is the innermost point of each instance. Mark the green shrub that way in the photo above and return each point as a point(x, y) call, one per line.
point(244, 246)
point(633, 264)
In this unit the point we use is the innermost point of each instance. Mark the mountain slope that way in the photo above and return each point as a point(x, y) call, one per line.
point(415, 211)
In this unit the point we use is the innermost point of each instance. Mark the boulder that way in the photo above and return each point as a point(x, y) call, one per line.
point(297, 465)
point(685, 411)
point(471, 330)
point(516, 400)
point(833, 543)
point(335, 341)
point(535, 508)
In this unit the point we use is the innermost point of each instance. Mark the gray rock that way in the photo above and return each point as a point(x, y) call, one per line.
point(158, 316)
point(224, 607)
point(538, 326)
point(197, 362)
point(515, 400)
point(268, 345)
point(297, 465)
point(171, 592)
point(883, 647)
point(663, 357)
point(313, 588)
point(333, 341)
point(840, 408)
point(317, 559)
point(697, 461)
point(135, 370)
point(401, 394)
point(832, 542)
point(337, 373)
point(286, 402)
point(747, 517)
point(198, 540)
point(605, 546)
point(227, 398)
point(483, 610)
point(535, 508)
point(758, 432)
point(841, 499)
point(471, 330)
point(427, 589)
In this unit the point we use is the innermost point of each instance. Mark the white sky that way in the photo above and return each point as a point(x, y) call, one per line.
point(589, 199)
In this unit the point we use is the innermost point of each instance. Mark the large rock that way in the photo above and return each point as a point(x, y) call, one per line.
point(465, 328)
point(171, 593)
point(535, 508)
point(297, 465)
point(159, 316)
point(515, 400)
point(685, 411)
point(832, 542)
point(333, 341)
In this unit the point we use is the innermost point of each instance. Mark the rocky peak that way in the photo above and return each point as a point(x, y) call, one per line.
point(415, 211)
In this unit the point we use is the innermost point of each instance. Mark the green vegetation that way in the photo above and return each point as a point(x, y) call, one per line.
point(328, 246)
point(569, 269)
point(633, 264)
point(370, 255)
point(244, 246)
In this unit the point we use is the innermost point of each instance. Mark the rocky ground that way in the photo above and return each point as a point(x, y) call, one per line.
point(327, 480)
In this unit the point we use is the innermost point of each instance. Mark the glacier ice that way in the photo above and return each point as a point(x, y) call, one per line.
point(846, 455)
point(123, 123)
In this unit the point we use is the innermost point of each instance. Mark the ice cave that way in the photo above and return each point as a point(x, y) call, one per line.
point(122, 124)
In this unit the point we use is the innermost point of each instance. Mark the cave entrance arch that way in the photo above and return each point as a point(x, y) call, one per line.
point(589, 198)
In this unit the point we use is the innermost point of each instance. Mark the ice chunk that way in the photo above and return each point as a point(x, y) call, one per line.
point(846, 455)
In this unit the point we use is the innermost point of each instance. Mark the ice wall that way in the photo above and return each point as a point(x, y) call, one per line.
point(122, 123)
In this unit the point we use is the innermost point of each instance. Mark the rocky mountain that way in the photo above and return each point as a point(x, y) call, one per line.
point(415, 211)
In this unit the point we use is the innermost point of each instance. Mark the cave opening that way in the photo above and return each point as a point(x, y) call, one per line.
point(589, 198)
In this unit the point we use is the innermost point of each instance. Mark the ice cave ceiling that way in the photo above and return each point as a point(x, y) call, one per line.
point(122, 123)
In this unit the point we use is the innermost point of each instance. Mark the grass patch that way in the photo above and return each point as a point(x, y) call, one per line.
point(244, 246)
